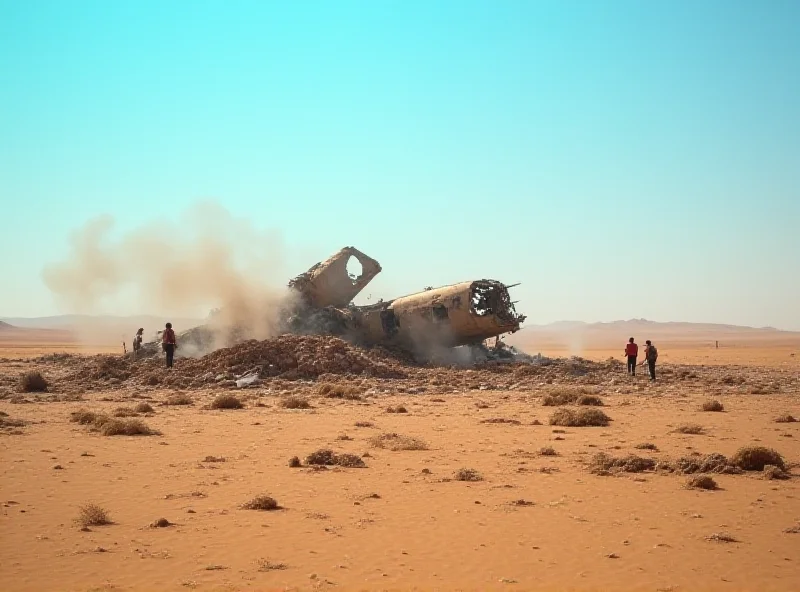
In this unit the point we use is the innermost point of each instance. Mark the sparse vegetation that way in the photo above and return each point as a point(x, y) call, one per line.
point(92, 515)
point(646, 446)
point(548, 451)
point(579, 417)
point(263, 503)
point(690, 428)
point(143, 408)
point(570, 396)
point(86, 417)
point(33, 382)
point(398, 409)
point(773, 472)
point(602, 463)
point(9, 422)
point(294, 462)
point(214, 459)
point(468, 475)
point(124, 412)
point(396, 442)
point(755, 458)
point(712, 463)
point(161, 523)
point(364, 424)
point(501, 420)
point(264, 565)
point(293, 402)
point(226, 402)
point(327, 457)
point(125, 427)
point(721, 537)
point(785, 418)
point(179, 399)
point(712, 406)
point(337, 391)
point(701, 482)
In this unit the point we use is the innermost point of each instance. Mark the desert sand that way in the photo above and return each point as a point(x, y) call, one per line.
point(540, 517)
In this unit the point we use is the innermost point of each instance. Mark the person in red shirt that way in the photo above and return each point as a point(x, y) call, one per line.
point(631, 350)
point(169, 344)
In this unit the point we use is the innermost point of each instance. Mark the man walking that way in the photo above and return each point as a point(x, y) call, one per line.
point(169, 344)
point(650, 356)
point(631, 350)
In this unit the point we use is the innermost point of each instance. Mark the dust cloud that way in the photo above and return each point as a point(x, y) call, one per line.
point(206, 260)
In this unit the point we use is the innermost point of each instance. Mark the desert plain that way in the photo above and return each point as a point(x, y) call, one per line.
point(437, 478)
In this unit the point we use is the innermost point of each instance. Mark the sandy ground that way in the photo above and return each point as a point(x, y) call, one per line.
point(403, 522)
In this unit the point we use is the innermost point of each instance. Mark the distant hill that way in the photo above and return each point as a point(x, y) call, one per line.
point(77, 322)
point(5, 326)
point(577, 336)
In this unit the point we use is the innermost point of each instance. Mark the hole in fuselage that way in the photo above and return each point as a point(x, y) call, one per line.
point(354, 269)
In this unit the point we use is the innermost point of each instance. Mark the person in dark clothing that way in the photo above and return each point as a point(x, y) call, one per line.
point(631, 350)
point(137, 341)
point(169, 344)
point(650, 356)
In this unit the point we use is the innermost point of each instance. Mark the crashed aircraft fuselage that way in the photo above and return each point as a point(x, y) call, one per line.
point(460, 314)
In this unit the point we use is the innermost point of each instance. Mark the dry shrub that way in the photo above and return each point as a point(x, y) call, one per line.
point(92, 515)
point(712, 406)
point(468, 475)
point(785, 418)
point(264, 565)
point(701, 482)
point(86, 417)
point(124, 412)
point(398, 409)
point(337, 391)
point(261, 502)
point(712, 463)
point(755, 458)
point(327, 457)
point(350, 461)
point(773, 472)
point(33, 382)
point(396, 442)
point(646, 446)
point(179, 399)
point(579, 418)
point(501, 420)
point(125, 427)
point(226, 402)
point(690, 428)
point(592, 400)
point(721, 537)
point(294, 462)
point(602, 463)
point(548, 451)
point(293, 402)
point(9, 422)
point(161, 523)
point(364, 424)
point(143, 408)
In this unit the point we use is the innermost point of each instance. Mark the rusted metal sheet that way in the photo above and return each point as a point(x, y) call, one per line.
point(329, 284)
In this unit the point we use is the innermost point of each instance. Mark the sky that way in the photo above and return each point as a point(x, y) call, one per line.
point(621, 159)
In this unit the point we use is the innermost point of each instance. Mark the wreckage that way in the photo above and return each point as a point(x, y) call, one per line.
point(467, 313)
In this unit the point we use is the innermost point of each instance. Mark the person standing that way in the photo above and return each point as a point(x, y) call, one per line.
point(169, 344)
point(631, 350)
point(137, 341)
point(650, 356)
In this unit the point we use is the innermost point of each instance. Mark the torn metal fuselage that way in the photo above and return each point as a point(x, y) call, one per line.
point(329, 284)
point(460, 314)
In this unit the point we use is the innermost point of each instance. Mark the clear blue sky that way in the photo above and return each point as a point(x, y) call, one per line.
point(621, 159)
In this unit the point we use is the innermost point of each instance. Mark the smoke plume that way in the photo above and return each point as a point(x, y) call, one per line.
point(206, 260)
